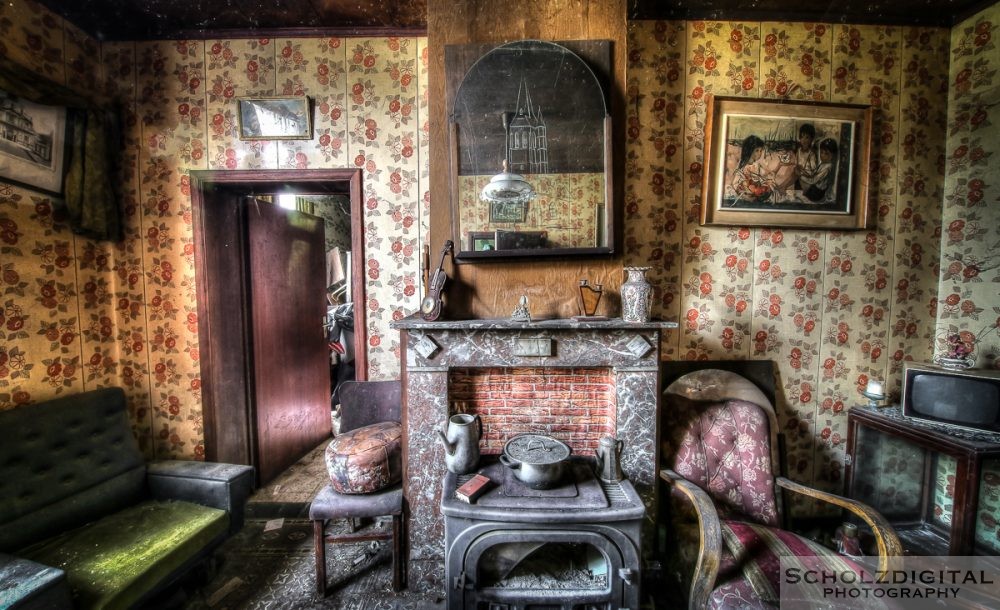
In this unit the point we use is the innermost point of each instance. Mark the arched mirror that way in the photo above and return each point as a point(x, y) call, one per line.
point(530, 149)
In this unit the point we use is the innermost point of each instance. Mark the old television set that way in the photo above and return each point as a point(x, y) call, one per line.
point(968, 399)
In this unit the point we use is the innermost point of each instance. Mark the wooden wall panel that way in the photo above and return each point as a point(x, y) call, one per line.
point(492, 290)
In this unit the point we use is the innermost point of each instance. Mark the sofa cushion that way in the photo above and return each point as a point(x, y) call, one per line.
point(725, 450)
point(114, 562)
point(58, 449)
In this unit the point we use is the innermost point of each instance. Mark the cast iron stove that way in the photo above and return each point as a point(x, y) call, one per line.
point(574, 547)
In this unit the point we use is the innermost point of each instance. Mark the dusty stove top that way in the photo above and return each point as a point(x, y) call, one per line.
point(580, 497)
point(578, 489)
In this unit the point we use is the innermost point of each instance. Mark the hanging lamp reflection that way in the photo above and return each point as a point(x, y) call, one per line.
point(507, 187)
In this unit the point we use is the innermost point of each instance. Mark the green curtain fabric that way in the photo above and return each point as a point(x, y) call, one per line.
point(93, 140)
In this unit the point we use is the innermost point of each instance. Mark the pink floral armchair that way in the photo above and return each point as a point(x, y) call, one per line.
point(720, 442)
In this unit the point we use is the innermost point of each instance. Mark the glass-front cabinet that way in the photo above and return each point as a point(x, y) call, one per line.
point(939, 487)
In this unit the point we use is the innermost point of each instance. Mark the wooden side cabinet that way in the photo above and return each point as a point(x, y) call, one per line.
point(924, 478)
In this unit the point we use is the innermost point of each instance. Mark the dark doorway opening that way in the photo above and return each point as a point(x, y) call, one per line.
point(231, 340)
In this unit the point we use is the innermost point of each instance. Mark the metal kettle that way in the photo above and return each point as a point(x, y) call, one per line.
point(609, 455)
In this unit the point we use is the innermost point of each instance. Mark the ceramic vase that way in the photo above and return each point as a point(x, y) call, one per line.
point(637, 295)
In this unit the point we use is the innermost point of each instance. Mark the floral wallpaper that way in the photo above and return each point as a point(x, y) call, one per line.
point(968, 303)
point(970, 264)
point(832, 309)
point(335, 210)
point(567, 207)
point(58, 291)
point(78, 314)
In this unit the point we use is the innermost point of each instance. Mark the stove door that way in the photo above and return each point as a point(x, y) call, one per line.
point(549, 569)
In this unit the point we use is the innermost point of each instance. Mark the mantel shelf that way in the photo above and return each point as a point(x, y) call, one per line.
point(416, 322)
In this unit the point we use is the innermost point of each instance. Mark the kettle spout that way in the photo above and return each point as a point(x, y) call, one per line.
point(449, 447)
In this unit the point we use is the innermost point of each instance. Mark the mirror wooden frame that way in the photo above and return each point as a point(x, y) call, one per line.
point(598, 58)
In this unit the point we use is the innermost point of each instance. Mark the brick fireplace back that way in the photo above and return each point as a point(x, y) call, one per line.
point(575, 405)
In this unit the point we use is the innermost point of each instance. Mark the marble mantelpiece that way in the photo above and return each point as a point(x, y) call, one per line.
point(431, 349)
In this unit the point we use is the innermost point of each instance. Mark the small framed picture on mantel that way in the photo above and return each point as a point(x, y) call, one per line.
point(275, 118)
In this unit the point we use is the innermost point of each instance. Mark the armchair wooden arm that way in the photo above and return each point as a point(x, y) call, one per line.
point(710, 543)
point(890, 550)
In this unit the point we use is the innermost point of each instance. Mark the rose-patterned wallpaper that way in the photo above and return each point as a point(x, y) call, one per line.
point(831, 309)
point(970, 244)
point(566, 207)
point(59, 306)
point(968, 303)
point(78, 314)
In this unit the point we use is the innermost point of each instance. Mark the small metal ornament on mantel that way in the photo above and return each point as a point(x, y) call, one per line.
point(521, 313)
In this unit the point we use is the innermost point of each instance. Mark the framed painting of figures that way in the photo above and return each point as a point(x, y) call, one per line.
point(776, 163)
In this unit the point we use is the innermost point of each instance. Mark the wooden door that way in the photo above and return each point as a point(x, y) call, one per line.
point(291, 362)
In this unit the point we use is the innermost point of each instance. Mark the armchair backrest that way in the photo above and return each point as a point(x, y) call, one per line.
point(720, 432)
point(368, 402)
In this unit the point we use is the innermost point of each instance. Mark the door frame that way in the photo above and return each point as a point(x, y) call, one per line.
point(223, 299)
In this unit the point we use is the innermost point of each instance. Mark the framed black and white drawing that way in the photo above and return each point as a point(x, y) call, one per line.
point(275, 118)
point(32, 144)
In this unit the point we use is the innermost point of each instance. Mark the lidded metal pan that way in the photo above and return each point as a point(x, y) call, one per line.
point(538, 460)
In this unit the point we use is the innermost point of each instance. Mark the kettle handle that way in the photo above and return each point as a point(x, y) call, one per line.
point(479, 423)
point(619, 445)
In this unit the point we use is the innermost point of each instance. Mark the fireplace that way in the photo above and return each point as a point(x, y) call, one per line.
point(576, 547)
point(574, 380)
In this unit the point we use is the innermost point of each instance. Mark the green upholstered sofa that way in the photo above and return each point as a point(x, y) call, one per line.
point(85, 522)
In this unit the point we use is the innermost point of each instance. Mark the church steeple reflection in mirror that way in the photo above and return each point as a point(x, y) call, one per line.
point(527, 142)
